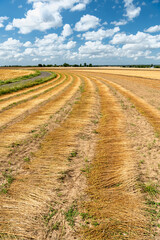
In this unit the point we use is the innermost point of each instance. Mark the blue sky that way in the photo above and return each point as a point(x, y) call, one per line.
point(78, 31)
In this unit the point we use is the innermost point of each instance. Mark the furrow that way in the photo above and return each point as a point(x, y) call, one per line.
point(114, 203)
point(23, 208)
point(13, 114)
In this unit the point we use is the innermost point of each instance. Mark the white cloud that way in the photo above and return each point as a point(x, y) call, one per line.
point(86, 22)
point(131, 10)
point(100, 34)
point(155, 1)
point(67, 30)
point(119, 23)
point(153, 29)
point(27, 44)
point(45, 14)
point(2, 19)
point(9, 49)
point(79, 7)
point(140, 41)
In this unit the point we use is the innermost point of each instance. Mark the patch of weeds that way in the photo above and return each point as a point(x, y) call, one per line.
point(86, 160)
point(64, 174)
point(81, 88)
point(86, 169)
point(132, 106)
point(3, 189)
point(15, 144)
point(10, 179)
point(56, 226)
point(95, 132)
point(95, 223)
point(141, 161)
point(51, 213)
point(94, 121)
point(151, 189)
point(85, 216)
point(157, 135)
point(123, 105)
point(71, 214)
point(27, 159)
point(72, 155)
point(32, 131)
point(36, 135)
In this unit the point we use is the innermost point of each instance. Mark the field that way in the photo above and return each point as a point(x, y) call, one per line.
point(80, 156)
point(6, 74)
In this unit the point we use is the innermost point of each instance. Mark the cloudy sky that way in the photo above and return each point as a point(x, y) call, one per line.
point(78, 31)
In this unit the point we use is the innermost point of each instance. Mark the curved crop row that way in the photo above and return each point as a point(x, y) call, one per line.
point(27, 84)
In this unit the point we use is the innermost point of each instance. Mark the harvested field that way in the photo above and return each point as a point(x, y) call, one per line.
point(145, 73)
point(80, 157)
point(6, 74)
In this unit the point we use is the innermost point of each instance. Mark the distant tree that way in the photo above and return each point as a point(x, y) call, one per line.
point(40, 65)
point(49, 65)
point(90, 65)
point(80, 65)
point(66, 65)
point(85, 64)
point(75, 65)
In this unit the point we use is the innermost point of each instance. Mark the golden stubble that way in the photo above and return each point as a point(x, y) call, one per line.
point(6, 74)
point(114, 202)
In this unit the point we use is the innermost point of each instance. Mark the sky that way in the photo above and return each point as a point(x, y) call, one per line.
point(103, 32)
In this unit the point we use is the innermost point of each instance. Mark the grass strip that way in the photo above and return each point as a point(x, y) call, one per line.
point(27, 85)
point(37, 73)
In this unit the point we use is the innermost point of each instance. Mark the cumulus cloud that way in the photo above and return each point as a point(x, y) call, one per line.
point(119, 23)
point(2, 19)
point(45, 14)
point(81, 5)
point(100, 34)
point(139, 41)
point(131, 10)
point(67, 30)
point(153, 29)
point(86, 22)
point(27, 44)
point(10, 48)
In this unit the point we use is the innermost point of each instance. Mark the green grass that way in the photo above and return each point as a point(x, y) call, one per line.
point(37, 73)
point(72, 155)
point(27, 159)
point(56, 226)
point(151, 189)
point(71, 214)
point(51, 213)
point(29, 84)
